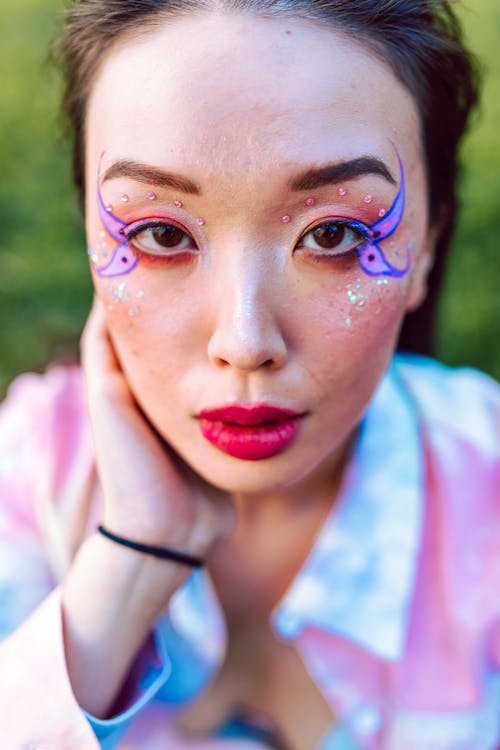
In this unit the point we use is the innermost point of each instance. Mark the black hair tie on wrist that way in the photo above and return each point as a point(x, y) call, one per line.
point(165, 553)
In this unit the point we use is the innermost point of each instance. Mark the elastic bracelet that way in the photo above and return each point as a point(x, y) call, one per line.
point(165, 553)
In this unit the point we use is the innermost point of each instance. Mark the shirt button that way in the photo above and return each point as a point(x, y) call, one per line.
point(288, 624)
point(367, 719)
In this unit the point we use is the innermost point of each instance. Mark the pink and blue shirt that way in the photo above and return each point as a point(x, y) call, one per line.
point(395, 612)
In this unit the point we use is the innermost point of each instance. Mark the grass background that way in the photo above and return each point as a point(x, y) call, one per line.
point(44, 281)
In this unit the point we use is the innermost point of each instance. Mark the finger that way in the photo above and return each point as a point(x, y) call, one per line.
point(98, 356)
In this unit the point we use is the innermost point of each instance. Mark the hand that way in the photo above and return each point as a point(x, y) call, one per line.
point(150, 494)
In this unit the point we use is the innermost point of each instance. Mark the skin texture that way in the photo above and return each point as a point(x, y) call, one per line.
point(247, 312)
point(246, 319)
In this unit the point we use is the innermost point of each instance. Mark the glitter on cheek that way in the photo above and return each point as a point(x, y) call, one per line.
point(348, 322)
point(109, 208)
point(133, 311)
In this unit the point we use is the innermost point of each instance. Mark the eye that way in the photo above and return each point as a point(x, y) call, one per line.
point(158, 238)
point(334, 237)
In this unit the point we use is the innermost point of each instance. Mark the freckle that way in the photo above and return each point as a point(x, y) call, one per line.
point(311, 201)
point(152, 196)
point(200, 220)
point(286, 218)
point(382, 212)
point(367, 199)
point(124, 198)
point(342, 190)
point(178, 204)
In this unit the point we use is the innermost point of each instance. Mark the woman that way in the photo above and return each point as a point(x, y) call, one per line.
point(266, 186)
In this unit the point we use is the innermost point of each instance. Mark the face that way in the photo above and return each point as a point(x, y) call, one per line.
point(257, 230)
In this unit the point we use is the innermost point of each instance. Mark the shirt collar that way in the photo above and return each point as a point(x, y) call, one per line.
point(358, 579)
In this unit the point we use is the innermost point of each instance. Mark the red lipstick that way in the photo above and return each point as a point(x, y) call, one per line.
point(250, 431)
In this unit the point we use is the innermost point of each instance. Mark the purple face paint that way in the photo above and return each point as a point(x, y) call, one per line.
point(371, 258)
point(123, 260)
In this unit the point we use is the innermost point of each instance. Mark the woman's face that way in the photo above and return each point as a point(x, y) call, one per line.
point(242, 163)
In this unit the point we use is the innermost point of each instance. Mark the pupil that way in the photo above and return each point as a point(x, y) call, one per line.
point(168, 236)
point(329, 235)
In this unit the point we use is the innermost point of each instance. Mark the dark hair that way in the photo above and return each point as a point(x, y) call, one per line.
point(420, 39)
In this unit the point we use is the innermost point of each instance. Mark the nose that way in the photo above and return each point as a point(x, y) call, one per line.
point(247, 334)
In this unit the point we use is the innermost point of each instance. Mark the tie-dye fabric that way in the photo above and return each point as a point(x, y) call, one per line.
point(396, 611)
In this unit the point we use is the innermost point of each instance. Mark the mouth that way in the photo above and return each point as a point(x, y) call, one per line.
point(251, 432)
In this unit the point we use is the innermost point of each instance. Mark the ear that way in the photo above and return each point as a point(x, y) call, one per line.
point(422, 264)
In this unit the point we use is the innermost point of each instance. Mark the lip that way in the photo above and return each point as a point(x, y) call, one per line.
point(251, 432)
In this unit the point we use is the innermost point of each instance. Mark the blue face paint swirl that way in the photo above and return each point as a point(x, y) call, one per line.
point(371, 257)
point(123, 259)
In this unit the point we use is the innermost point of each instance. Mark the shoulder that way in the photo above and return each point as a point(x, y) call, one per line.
point(460, 403)
point(44, 432)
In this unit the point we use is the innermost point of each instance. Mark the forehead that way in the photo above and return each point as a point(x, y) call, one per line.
point(240, 90)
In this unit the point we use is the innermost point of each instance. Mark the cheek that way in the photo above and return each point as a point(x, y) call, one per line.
point(347, 326)
point(154, 329)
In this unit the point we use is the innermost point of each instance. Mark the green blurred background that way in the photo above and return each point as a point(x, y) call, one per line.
point(44, 281)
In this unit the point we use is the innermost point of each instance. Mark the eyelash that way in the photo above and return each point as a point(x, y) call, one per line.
point(362, 231)
point(137, 228)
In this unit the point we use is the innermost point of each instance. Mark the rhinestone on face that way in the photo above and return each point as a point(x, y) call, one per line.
point(124, 198)
point(310, 201)
point(178, 204)
point(286, 218)
point(152, 196)
point(200, 220)
point(382, 212)
point(342, 190)
point(367, 199)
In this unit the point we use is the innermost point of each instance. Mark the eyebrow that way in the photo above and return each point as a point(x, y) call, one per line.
point(151, 176)
point(332, 174)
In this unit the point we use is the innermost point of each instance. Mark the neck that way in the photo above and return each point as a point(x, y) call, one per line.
point(274, 533)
